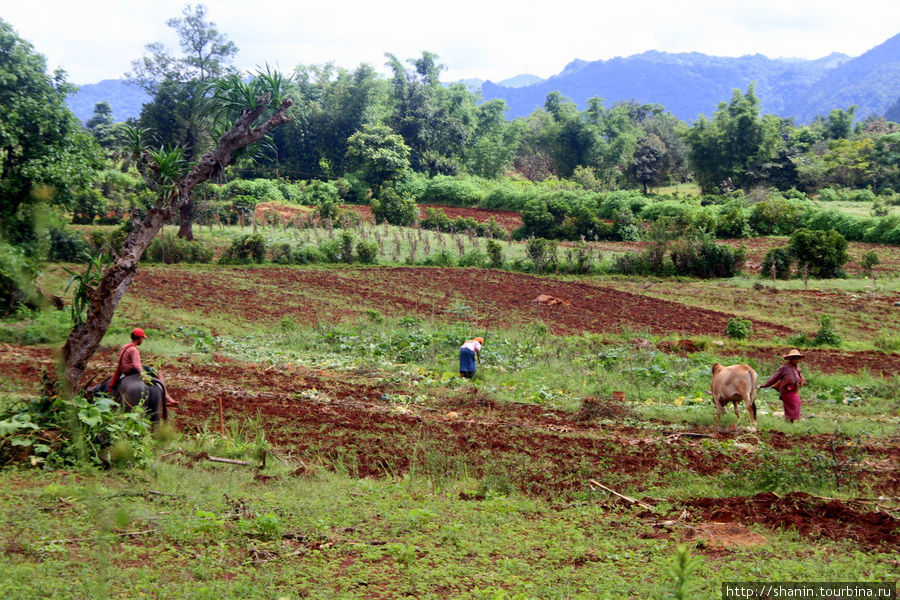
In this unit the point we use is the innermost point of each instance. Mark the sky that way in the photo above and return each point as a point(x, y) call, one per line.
point(484, 39)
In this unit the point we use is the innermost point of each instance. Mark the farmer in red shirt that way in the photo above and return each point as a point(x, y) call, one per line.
point(130, 363)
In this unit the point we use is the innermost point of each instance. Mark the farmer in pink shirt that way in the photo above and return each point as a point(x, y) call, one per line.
point(468, 353)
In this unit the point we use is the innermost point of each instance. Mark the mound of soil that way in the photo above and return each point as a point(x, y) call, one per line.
point(809, 515)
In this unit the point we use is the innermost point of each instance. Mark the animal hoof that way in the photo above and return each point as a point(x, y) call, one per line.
point(172, 403)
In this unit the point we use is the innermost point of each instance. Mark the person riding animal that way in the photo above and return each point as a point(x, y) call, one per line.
point(130, 364)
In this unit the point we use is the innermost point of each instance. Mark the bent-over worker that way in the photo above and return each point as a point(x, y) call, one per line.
point(469, 352)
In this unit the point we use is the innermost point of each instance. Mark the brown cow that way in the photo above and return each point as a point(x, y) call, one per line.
point(733, 384)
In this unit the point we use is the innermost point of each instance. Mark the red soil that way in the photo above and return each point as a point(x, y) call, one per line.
point(495, 298)
point(327, 418)
point(818, 517)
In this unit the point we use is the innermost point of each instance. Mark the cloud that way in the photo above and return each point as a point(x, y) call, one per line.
point(474, 38)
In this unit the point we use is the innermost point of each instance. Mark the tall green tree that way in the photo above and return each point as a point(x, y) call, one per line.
point(435, 121)
point(729, 151)
point(330, 104)
point(377, 155)
point(45, 158)
point(252, 109)
point(177, 84)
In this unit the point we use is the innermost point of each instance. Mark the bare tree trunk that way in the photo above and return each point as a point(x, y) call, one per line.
point(186, 225)
point(85, 338)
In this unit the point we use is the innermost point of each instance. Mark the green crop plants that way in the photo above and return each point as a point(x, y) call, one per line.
point(739, 329)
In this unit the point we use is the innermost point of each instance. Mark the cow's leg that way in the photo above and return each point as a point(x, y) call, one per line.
point(718, 412)
point(751, 410)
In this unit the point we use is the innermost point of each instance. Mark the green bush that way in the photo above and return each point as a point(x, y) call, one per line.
point(331, 250)
point(826, 335)
point(88, 205)
point(733, 221)
point(440, 259)
point(473, 258)
point(317, 193)
point(739, 329)
point(170, 249)
point(707, 259)
point(307, 255)
point(53, 431)
point(824, 253)
point(542, 253)
point(281, 253)
point(347, 242)
point(782, 260)
point(508, 196)
point(261, 190)
point(455, 191)
point(868, 261)
point(630, 200)
point(68, 246)
point(777, 216)
point(245, 249)
point(495, 254)
point(367, 252)
point(392, 207)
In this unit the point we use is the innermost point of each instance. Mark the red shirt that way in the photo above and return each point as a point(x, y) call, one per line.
point(129, 358)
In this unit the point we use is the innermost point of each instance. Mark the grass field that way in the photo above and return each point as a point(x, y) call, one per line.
point(374, 471)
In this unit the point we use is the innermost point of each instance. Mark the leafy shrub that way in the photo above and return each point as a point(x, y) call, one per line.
point(868, 261)
point(331, 250)
point(453, 191)
point(308, 254)
point(391, 207)
point(68, 246)
point(629, 200)
point(822, 252)
point(495, 254)
point(776, 216)
point(281, 253)
point(88, 205)
point(170, 249)
point(733, 221)
point(781, 259)
point(440, 259)
point(580, 258)
point(706, 259)
point(261, 190)
point(53, 431)
point(367, 252)
point(317, 193)
point(625, 227)
point(473, 258)
point(739, 329)
point(508, 196)
point(826, 335)
point(245, 249)
point(542, 253)
point(347, 242)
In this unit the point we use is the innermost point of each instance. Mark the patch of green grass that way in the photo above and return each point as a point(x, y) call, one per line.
point(93, 535)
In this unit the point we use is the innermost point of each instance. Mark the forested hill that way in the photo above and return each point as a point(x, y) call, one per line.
point(687, 85)
point(691, 84)
point(125, 98)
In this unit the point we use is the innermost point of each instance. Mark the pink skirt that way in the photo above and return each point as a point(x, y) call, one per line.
point(791, 401)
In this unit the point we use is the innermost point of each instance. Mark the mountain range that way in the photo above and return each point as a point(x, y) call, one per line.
point(685, 84)
point(691, 84)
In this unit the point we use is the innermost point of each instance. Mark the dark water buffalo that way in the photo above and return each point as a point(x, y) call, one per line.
point(132, 391)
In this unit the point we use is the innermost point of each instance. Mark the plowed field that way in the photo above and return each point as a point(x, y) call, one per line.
point(494, 299)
